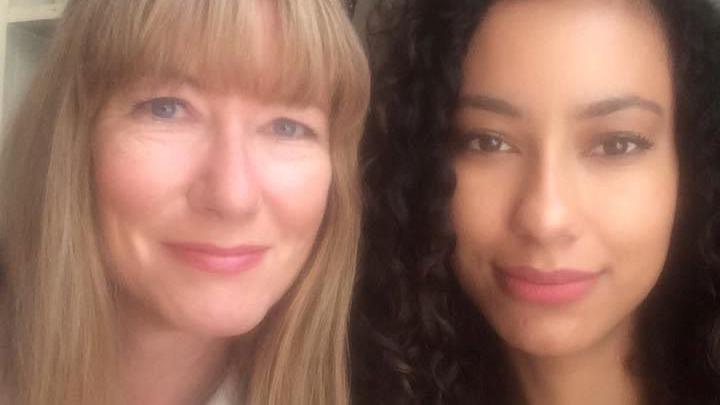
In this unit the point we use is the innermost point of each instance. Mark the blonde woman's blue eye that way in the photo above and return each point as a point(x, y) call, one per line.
point(287, 128)
point(164, 108)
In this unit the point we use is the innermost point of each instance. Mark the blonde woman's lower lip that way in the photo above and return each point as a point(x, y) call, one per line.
point(218, 263)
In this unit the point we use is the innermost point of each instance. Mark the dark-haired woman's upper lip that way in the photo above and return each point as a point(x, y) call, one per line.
point(546, 287)
point(548, 276)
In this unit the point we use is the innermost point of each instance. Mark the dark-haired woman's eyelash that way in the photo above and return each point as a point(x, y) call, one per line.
point(620, 144)
point(161, 108)
point(483, 142)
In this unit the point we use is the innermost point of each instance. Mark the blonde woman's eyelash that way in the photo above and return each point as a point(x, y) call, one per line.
point(154, 106)
point(279, 126)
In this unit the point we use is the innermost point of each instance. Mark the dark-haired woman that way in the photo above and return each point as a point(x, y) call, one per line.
point(543, 222)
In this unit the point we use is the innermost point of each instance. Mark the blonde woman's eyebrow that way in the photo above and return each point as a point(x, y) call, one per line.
point(166, 80)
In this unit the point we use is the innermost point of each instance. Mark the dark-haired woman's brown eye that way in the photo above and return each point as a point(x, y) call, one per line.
point(621, 144)
point(485, 143)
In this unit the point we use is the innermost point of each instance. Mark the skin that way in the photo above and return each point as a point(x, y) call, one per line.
point(176, 163)
point(553, 173)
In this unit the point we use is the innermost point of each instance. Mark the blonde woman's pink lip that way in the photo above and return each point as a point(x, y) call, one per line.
point(561, 286)
point(218, 260)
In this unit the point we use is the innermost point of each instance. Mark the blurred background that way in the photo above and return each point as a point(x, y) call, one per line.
point(27, 25)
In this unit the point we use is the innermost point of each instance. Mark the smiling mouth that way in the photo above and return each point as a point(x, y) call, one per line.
point(554, 287)
point(218, 260)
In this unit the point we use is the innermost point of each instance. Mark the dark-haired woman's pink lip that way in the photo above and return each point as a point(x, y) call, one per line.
point(546, 287)
point(218, 260)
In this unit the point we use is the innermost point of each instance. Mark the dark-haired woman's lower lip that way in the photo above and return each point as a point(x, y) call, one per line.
point(218, 262)
point(555, 288)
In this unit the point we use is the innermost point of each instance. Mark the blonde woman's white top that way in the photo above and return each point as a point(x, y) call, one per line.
point(227, 393)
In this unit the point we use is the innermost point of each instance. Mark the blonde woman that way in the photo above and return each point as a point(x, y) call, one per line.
point(179, 209)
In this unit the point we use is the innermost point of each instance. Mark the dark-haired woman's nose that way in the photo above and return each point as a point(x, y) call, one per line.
point(545, 211)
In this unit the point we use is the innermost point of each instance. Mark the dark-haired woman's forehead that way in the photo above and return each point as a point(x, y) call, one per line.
point(537, 55)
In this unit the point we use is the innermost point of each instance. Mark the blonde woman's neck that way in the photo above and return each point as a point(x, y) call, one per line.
point(166, 367)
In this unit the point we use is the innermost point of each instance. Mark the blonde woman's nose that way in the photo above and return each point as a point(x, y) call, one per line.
point(229, 185)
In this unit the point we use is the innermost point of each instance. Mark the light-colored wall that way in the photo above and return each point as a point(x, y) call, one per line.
point(25, 49)
point(3, 43)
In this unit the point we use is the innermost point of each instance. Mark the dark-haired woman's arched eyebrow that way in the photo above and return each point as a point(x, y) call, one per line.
point(491, 104)
point(615, 104)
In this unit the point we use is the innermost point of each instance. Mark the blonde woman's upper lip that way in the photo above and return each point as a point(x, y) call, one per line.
point(549, 277)
point(219, 260)
point(214, 250)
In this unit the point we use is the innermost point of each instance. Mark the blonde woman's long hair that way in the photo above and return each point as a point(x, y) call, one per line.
point(58, 301)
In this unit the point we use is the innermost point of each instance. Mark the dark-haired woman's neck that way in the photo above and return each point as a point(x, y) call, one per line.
point(594, 376)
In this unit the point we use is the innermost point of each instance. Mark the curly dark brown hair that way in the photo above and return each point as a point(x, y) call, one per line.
point(416, 338)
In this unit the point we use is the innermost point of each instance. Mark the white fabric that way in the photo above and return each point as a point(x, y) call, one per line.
point(227, 393)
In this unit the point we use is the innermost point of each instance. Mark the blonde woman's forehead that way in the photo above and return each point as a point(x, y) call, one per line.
point(271, 90)
point(261, 50)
